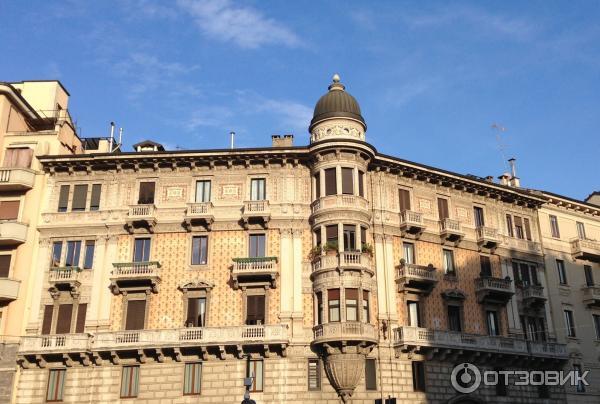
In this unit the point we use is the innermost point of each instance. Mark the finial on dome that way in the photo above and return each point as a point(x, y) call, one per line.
point(336, 78)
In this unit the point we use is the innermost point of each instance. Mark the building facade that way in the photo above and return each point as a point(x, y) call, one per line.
point(320, 273)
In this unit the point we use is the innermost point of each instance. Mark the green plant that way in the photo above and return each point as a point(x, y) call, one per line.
point(315, 252)
point(367, 248)
point(331, 246)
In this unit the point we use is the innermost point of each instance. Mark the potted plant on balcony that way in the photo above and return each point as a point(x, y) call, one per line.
point(331, 248)
point(367, 249)
point(315, 252)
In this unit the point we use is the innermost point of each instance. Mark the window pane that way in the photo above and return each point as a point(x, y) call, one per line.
point(4, 266)
point(63, 199)
point(203, 191)
point(63, 321)
point(409, 253)
point(56, 253)
point(79, 197)
point(351, 304)
point(317, 185)
point(146, 195)
point(370, 374)
point(257, 245)
point(89, 254)
point(413, 314)
point(509, 225)
point(443, 208)
point(192, 378)
point(486, 266)
point(448, 261)
point(130, 381)
point(257, 189)
point(196, 315)
point(478, 214)
point(255, 370)
point(349, 237)
point(330, 181)
point(95, 199)
point(365, 315)
point(347, 181)
point(333, 298)
point(73, 253)
point(56, 383)
point(314, 375)
point(136, 315)
point(418, 373)
point(199, 250)
point(141, 250)
point(255, 309)
point(81, 313)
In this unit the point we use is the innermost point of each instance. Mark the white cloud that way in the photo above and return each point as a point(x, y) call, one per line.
point(244, 26)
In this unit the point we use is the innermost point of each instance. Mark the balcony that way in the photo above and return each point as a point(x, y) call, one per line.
point(416, 278)
point(345, 202)
point(254, 271)
point(12, 233)
point(533, 296)
point(411, 222)
point(345, 260)
point(54, 344)
point(527, 246)
point(199, 213)
point(141, 216)
point(451, 345)
point(256, 212)
point(487, 237)
point(16, 179)
point(585, 249)
point(591, 295)
point(450, 230)
point(494, 290)
point(135, 276)
point(9, 290)
point(348, 331)
point(64, 278)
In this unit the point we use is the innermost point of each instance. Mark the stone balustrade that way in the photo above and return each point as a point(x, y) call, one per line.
point(339, 202)
point(16, 179)
point(585, 249)
point(344, 331)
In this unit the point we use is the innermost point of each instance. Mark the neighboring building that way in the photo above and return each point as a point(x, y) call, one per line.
point(323, 271)
point(34, 121)
point(571, 233)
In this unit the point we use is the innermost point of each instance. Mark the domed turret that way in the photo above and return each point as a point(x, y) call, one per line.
point(337, 114)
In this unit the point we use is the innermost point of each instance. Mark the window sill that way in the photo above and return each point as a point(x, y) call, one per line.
point(196, 267)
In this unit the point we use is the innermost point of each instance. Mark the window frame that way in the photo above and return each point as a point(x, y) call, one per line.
point(58, 393)
point(562, 272)
point(252, 365)
point(419, 376)
point(373, 364)
point(554, 227)
point(203, 181)
point(569, 318)
point(446, 268)
point(192, 255)
point(316, 377)
point(259, 193)
point(134, 388)
point(194, 390)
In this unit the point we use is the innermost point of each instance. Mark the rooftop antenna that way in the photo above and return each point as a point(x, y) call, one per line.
point(112, 136)
point(499, 129)
point(232, 134)
point(120, 138)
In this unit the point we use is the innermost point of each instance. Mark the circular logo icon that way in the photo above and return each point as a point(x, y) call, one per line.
point(465, 378)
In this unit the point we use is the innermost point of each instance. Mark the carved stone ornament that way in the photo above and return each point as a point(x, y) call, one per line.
point(344, 371)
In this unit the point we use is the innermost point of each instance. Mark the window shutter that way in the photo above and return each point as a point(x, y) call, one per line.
point(95, 199)
point(9, 210)
point(351, 294)
point(347, 181)
point(18, 157)
point(63, 323)
point(63, 199)
point(333, 294)
point(317, 185)
point(404, 200)
point(370, 377)
point(443, 208)
point(81, 312)
point(361, 183)
point(47, 320)
point(146, 193)
point(79, 197)
point(193, 312)
point(486, 266)
point(527, 229)
point(4, 266)
point(136, 315)
point(330, 182)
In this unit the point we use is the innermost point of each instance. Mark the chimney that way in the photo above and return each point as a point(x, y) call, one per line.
point(505, 179)
point(282, 141)
point(514, 180)
point(489, 178)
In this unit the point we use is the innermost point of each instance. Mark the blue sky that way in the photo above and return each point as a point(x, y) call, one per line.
point(431, 77)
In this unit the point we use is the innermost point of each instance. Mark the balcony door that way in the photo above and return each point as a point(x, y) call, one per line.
point(255, 309)
point(146, 195)
point(404, 195)
point(409, 253)
point(492, 323)
point(141, 250)
point(478, 215)
point(349, 237)
point(258, 190)
point(414, 318)
point(202, 191)
point(136, 315)
point(256, 244)
point(196, 314)
point(18, 157)
point(454, 318)
point(443, 211)
point(581, 231)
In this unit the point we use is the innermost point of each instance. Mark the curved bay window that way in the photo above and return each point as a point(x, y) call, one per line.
point(351, 304)
point(343, 305)
point(339, 180)
point(333, 301)
point(354, 237)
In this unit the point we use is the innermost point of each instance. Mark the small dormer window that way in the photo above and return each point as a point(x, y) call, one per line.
point(148, 146)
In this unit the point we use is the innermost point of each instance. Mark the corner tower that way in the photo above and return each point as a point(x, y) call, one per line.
point(343, 283)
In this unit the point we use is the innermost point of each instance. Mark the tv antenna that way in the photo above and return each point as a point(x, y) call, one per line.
point(499, 130)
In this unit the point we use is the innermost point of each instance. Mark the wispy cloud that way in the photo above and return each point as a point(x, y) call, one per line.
point(242, 25)
point(207, 116)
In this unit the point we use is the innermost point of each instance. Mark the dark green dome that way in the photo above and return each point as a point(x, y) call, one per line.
point(337, 103)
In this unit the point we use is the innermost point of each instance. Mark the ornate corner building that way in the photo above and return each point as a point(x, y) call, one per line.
point(324, 273)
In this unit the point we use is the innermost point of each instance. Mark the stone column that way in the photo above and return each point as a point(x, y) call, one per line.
point(380, 269)
point(36, 286)
point(512, 309)
point(298, 258)
point(286, 275)
point(97, 284)
point(355, 180)
point(104, 293)
point(549, 320)
point(338, 179)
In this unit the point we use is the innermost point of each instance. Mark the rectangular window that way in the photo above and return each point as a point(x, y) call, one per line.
point(18, 157)
point(330, 181)
point(350, 237)
point(256, 245)
point(90, 246)
point(509, 226)
point(255, 370)
point(191, 379)
point(56, 385)
point(443, 212)
point(199, 250)
point(136, 315)
point(73, 253)
point(9, 210)
point(562, 273)
point(146, 195)
point(554, 226)
point(141, 250)
point(351, 304)
point(527, 228)
point(418, 374)
point(366, 316)
point(534, 275)
point(47, 319)
point(448, 256)
point(258, 190)
point(79, 198)
point(501, 387)
point(486, 266)
point(454, 318)
point(596, 318)
point(63, 198)
point(492, 323)
point(80, 321)
point(519, 228)
point(255, 309)
point(314, 375)
point(95, 198)
point(581, 231)
point(578, 371)
point(361, 183)
point(63, 321)
point(414, 318)
point(202, 191)
point(130, 383)
point(589, 275)
point(196, 312)
point(409, 252)
point(317, 185)
point(347, 181)
point(479, 217)
point(370, 374)
point(56, 253)
point(404, 200)
point(319, 308)
point(525, 278)
point(331, 233)
point(333, 302)
point(4, 266)
point(570, 324)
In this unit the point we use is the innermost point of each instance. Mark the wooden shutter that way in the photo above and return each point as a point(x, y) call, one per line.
point(404, 200)
point(193, 311)
point(81, 312)
point(317, 185)
point(370, 375)
point(63, 322)
point(527, 229)
point(352, 294)
point(330, 182)
point(47, 320)
point(486, 266)
point(361, 183)
point(333, 294)
point(95, 199)
point(443, 208)
point(136, 315)
point(255, 311)
point(79, 197)
point(63, 199)
point(146, 193)
point(4, 266)
point(9, 210)
point(18, 157)
point(347, 181)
